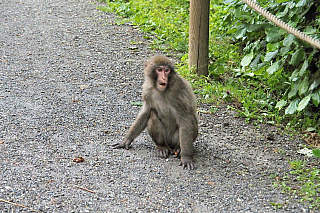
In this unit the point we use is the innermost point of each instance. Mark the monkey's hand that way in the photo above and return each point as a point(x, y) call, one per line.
point(124, 144)
point(187, 163)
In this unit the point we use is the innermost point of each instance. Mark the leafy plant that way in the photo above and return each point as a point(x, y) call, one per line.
point(316, 152)
point(287, 66)
point(270, 75)
point(166, 21)
point(276, 205)
point(303, 180)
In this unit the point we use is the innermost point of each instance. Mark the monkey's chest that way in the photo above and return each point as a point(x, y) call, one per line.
point(164, 109)
point(166, 114)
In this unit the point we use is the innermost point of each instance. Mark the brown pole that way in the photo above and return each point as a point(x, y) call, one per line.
point(199, 36)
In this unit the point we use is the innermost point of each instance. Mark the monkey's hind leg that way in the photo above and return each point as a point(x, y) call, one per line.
point(157, 132)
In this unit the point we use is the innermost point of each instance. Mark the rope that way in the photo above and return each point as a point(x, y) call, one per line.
point(282, 24)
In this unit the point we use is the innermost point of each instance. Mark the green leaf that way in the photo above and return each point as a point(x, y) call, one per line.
point(316, 152)
point(272, 47)
point(259, 71)
point(270, 55)
point(249, 74)
point(315, 98)
point(219, 69)
point(288, 40)
point(301, 3)
point(303, 103)
point(274, 67)
point(273, 37)
point(253, 27)
point(255, 62)
point(311, 129)
point(284, 50)
point(280, 1)
point(303, 87)
point(292, 108)
point(294, 90)
point(314, 84)
point(231, 31)
point(294, 76)
point(283, 13)
point(240, 34)
point(294, 20)
point(303, 68)
point(310, 30)
point(138, 103)
point(297, 56)
point(281, 104)
point(247, 59)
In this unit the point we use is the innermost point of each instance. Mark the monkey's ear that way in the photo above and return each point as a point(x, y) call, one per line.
point(146, 62)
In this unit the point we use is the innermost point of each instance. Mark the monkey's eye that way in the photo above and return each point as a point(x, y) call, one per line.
point(159, 69)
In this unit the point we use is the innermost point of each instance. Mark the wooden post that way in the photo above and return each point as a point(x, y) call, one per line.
point(199, 36)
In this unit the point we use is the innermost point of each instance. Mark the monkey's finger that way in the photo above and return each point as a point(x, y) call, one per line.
point(186, 166)
point(183, 165)
point(166, 153)
point(191, 166)
point(127, 146)
point(161, 154)
point(117, 145)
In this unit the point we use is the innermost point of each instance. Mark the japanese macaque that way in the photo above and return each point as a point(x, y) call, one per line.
point(169, 112)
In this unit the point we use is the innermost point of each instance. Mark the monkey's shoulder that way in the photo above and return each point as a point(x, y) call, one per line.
point(183, 93)
point(181, 85)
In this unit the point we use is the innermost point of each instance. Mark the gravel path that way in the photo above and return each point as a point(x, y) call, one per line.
point(68, 76)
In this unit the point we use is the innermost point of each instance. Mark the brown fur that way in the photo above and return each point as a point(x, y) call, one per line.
point(170, 115)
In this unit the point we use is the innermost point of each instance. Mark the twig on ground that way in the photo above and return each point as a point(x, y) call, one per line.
point(88, 190)
point(16, 204)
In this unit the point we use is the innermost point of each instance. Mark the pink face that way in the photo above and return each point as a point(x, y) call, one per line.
point(162, 77)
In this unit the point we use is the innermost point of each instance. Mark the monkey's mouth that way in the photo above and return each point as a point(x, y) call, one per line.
point(161, 86)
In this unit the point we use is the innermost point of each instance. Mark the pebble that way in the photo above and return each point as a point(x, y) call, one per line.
point(68, 76)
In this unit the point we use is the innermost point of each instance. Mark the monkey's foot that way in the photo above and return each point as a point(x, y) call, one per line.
point(162, 151)
point(187, 163)
point(124, 144)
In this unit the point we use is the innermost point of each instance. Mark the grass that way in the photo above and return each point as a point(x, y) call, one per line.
point(303, 180)
point(165, 23)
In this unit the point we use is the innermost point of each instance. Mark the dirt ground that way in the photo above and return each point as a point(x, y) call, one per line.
point(68, 77)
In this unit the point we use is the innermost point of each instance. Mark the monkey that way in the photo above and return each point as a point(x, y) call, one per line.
point(169, 112)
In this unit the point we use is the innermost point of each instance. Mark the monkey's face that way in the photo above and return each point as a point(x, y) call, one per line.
point(162, 73)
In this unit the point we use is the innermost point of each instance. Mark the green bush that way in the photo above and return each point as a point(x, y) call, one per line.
point(272, 75)
point(287, 66)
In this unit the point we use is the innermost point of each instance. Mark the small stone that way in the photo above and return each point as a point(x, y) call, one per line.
point(270, 136)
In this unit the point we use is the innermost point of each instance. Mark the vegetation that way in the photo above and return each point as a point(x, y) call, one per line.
point(166, 21)
point(287, 66)
point(304, 181)
point(255, 67)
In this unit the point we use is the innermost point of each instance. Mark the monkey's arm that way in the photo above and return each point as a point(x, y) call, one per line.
point(188, 131)
point(136, 128)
